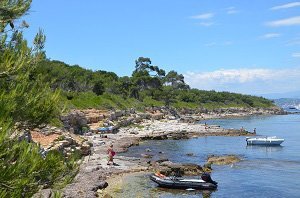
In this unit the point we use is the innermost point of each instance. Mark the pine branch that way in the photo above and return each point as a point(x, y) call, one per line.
point(4, 75)
point(6, 186)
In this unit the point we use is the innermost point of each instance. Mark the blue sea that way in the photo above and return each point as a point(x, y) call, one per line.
point(263, 172)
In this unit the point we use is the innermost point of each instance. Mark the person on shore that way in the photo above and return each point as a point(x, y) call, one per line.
point(111, 153)
point(254, 131)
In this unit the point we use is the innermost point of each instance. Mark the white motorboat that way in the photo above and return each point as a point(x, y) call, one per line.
point(269, 141)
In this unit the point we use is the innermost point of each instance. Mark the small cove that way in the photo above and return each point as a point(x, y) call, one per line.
point(263, 172)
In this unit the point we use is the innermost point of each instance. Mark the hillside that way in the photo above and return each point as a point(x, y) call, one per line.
point(148, 86)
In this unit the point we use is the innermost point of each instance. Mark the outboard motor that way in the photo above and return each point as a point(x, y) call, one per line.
point(206, 177)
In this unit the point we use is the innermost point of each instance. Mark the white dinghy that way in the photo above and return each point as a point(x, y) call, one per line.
point(269, 141)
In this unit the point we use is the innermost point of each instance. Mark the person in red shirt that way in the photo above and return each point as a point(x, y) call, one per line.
point(111, 153)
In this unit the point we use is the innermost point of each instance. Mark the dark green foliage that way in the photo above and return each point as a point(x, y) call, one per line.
point(142, 64)
point(175, 80)
point(24, 95)
point(12, 10)
point(98, 88)
point(23, 169)
point(26, 100)
point(222, 98)
point(74, 78)
point(168, 95)
point(147, 81)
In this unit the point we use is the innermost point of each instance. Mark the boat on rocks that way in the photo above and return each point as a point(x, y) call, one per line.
point(205, 183)
point(267, 141)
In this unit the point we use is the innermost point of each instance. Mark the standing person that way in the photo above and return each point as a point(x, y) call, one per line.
point(254, 131)
point(111, 153)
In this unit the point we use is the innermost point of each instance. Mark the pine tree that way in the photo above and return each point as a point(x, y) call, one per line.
point(25, 102)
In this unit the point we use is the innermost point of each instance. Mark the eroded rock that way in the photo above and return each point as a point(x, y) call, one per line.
point(188, 169)
point(223, 160)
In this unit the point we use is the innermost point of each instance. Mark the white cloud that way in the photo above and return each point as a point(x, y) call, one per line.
point(203, 16)
point(231, 10)
point(270, 35)
point(285, 22)
point(206, 24)
point(233, 75)
point(251, 81)
point(284, 6)
point(296, 55)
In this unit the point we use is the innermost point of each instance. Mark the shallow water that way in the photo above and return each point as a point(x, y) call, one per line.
point(263, 172)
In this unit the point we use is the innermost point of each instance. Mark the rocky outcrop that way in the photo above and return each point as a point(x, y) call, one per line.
point(223, 160)
point(125, 143)
point(179, 169)
point(75, 121)
point(92, 118)
point(62, 141)
point(44, 193)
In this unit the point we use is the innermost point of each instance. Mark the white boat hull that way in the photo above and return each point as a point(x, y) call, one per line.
point(264, 141)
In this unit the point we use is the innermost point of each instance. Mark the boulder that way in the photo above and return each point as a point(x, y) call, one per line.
point(119, 113)
point(146, 155)
point(76, 120)
point(43, 193)
point(25, 135)
point(190, 154)
point(132, 110)
point(188, 169)
point(64, 143)
point(85, 149)
point(162, 160)
point(99, 185)
point(145, 115)
point(157, 116)
point(207, 167)
point(112, 117)
point(223, 160)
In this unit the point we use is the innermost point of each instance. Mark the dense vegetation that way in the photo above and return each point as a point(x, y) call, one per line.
point(25, 102)
point(148, 86)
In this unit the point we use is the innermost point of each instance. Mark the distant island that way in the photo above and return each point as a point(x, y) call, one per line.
point(288, 103)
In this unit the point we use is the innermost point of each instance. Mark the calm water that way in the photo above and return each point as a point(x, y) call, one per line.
point(263, 172)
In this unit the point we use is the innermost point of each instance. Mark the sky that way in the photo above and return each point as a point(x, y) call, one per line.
point(249, 46)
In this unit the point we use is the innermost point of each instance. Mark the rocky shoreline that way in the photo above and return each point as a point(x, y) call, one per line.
point(94, 171)
point(132, 127)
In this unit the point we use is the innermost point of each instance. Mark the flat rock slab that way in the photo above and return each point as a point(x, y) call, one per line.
point(223, 160)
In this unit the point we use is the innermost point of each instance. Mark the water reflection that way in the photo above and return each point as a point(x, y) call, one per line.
point(206, 194)
point(267, 149)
